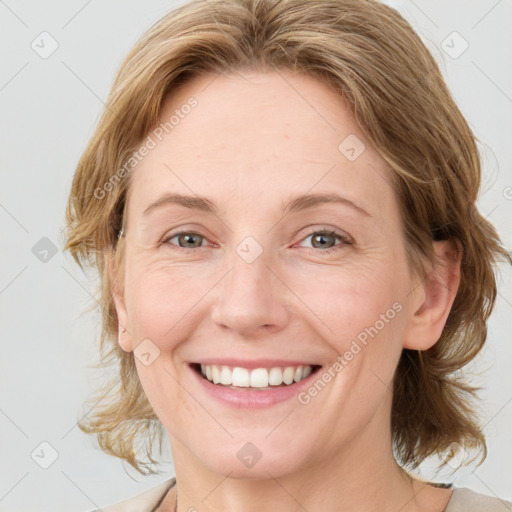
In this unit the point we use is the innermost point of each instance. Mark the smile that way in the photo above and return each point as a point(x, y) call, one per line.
point(257, 378)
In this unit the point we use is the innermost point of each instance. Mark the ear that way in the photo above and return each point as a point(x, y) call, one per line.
point(116, 280)
point(434, 297)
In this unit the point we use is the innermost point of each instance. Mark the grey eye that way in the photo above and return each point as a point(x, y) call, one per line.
point(187, 240)
point(320, 240)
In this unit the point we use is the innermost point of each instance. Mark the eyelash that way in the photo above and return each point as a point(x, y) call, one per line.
point(345, 240)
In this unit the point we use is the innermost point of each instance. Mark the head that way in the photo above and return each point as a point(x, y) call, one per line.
point(251, 104)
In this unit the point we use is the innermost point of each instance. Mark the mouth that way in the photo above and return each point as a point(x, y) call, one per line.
point(259, 379)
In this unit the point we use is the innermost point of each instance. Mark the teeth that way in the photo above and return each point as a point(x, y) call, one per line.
point(275, 377)
point(288, 374)
point(241, 376)
point(257, 378)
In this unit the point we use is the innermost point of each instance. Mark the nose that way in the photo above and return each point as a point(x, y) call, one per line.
point(251, 299)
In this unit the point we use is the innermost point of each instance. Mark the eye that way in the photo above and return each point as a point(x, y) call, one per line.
point(325, 240)
point(189, 239)
point(321, 239)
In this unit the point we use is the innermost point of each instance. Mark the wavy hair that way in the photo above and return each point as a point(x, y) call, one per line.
point(380, 67)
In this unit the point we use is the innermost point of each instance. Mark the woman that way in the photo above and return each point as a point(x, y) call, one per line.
point(280, 201)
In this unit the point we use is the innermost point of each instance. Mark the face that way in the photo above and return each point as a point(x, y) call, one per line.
point(251, 277)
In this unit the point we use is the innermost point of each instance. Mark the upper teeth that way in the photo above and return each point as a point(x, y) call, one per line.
point(257, 378)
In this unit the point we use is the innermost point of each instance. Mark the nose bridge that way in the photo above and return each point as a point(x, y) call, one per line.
point(250, 296)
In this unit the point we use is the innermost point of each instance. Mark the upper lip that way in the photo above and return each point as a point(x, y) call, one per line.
point(253, 363)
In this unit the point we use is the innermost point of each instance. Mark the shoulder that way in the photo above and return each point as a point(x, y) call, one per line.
point(466, 500)
point(143, 502)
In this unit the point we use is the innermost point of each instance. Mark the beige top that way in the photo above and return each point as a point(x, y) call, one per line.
point(461, 500)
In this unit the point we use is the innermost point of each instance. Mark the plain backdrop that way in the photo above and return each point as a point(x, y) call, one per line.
point(50, 104)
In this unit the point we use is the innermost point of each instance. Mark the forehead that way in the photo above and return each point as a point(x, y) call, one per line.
point(238, 136)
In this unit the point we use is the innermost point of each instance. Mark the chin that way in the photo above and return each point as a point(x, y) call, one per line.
point(246, 460)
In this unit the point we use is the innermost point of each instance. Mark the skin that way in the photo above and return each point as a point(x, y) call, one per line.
point(253, 141)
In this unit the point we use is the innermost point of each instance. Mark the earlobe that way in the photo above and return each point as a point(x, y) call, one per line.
point(117, 294)
point(437, 294)
point(124, 339)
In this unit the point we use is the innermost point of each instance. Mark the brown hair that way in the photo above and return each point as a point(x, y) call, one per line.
point(395, 90)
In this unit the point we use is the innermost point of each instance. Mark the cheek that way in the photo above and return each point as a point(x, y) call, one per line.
point(163, 299)
point(361, 316)
point(348, 300)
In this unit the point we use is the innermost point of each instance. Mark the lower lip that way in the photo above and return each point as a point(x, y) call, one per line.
point(252, 399)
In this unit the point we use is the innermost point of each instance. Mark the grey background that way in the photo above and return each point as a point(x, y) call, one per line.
point(49, 108)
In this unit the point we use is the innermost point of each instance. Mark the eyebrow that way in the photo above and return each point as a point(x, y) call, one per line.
point(306, 201)
point(192, 202)
point(296, 204)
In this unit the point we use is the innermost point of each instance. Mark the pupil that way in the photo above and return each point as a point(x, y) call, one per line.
point(320, 237)
point(188, 238)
